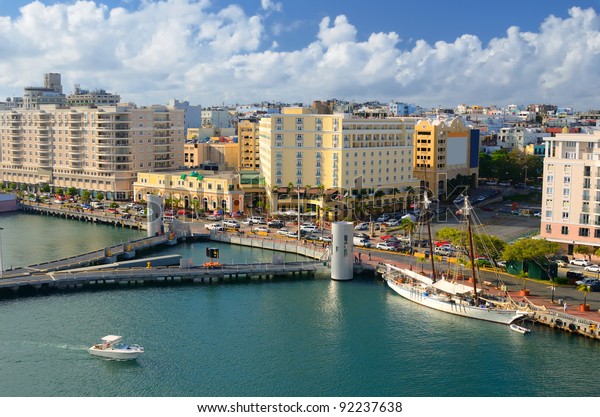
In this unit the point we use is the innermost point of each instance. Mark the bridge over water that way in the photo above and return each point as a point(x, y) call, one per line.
point(79, 278)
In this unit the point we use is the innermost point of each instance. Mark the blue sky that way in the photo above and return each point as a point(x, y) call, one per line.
point(209, 52)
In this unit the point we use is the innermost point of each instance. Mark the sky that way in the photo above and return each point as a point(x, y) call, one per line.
point(213, 52)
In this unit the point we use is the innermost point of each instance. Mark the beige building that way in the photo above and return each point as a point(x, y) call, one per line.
point(220, 152)
point(203, 190)
point(350, 161)
point(89, 148)
point(248, 138)
point(571, 192)
point(443, 151)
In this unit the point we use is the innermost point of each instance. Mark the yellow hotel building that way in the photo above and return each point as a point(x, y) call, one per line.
point(205, 190)
point(350, 160)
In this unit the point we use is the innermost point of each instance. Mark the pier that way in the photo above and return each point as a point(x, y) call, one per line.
point(110, 254)
point(69, 279)
point(97, 216)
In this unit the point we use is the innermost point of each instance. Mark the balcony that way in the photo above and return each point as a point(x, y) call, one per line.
point(77, 165)
point(45, 162)
point(16, 158)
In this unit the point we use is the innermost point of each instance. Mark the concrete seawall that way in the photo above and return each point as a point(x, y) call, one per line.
point(313, 251)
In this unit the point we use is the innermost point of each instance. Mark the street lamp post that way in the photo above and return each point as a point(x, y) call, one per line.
point(1, 265)
point(298, 190)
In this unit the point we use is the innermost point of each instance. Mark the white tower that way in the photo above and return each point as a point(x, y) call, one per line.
point(154, 215)
point(342, 254)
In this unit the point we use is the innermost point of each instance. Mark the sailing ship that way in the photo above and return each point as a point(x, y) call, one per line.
point(448, 295)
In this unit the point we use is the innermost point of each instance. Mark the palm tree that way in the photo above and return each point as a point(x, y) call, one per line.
point(585, 289)
point(195, 206)
point(408, 226)
point(422, 261)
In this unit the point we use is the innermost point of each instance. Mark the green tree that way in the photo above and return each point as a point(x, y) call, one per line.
point(539, 251)
point(100, 196)
point(72, 191)
point(45, 188)
point(86, 196)
point(486, 166)
point(586, 251)
point(60, 191)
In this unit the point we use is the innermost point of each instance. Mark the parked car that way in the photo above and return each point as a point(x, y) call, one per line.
point(361, 241)
point(262, 229)
point(216, 227)
point(592, 268)
point(392, 222)
point(595, 286)
point(385, 246)
point(231, 224)
point(580, 262)
point(214, 217)
point(308, 228)
point(561, 263)
point(575, 276)
point(587, 281)
point(276, 224)
point(383, 218)
point(363, 235)
point(283, 232)
point(443, 251)
point(362, 226)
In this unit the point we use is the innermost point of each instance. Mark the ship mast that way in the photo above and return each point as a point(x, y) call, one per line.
point(467, 214)
point(426, 203)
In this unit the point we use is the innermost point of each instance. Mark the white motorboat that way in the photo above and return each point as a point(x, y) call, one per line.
point(519, 329)
point(112, 347)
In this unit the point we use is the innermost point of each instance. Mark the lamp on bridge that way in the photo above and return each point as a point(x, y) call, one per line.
point(1, 266)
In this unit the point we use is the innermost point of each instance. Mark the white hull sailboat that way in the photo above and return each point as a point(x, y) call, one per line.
point(415, 287)
point(450, 296)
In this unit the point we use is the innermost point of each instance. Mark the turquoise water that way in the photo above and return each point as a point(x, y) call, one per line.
point(309, 337)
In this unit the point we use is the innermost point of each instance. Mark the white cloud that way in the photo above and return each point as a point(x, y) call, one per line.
point(188, 50)
point(269, 5)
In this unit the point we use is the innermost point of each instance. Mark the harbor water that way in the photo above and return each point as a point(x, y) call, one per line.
point(287, 337)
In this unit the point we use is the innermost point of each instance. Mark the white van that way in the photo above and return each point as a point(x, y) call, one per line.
point(257, 220)
point(96, 205)
point(361, 241)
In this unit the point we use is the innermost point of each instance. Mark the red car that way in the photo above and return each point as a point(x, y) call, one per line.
point(386, 237)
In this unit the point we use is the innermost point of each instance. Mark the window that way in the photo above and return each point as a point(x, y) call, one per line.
point(564, 230)
point(584, 231)
point(549, 228)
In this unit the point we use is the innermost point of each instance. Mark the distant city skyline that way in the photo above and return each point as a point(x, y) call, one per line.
point(227, 52)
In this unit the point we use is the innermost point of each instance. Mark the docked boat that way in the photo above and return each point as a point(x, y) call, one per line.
point(519, 329)
point(449, 295)
point(112, 347)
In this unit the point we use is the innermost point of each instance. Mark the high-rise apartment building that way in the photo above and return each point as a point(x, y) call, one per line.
point(571, 191)
point(443, 151)
point(349, 156)
point(248, 138)
point(91, 148)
